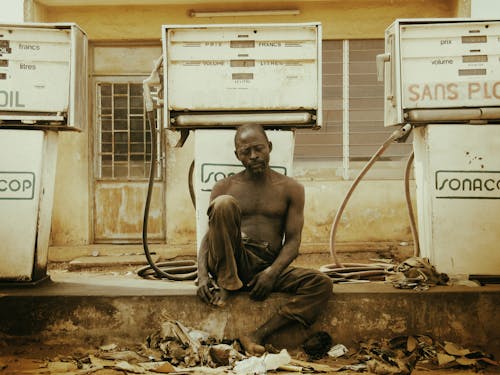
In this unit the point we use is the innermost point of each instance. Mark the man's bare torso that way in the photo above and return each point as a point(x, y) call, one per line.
point(264, 205)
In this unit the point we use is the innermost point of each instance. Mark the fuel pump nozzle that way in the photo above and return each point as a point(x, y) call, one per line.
point(153, 79)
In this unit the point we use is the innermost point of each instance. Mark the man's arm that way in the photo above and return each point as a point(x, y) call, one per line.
point(204, 284)
point(263, 283)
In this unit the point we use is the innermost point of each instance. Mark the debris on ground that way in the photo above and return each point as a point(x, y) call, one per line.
point(401, 355)
point(416, 273)
point(176, 349)
point(338, 351)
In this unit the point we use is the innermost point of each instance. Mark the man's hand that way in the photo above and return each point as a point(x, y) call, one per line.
point(205, 291)
point(262, 284)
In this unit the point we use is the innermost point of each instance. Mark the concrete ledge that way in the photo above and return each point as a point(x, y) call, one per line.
point(401, 250)
point(103, 310)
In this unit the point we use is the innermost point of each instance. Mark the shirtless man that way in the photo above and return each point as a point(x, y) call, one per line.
point(255, 224)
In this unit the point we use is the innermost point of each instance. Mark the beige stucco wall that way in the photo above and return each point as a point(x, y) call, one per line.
point(377, 210)
point(340, 19)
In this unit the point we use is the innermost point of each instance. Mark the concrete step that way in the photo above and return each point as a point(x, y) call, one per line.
point(79, 308)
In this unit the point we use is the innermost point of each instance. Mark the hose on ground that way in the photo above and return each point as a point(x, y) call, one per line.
point(359, 271)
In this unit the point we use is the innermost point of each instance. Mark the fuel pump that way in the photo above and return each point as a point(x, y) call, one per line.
point(441, 76)
point(43, 90)
point(216, 77)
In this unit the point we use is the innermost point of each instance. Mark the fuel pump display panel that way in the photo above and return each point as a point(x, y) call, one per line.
point(34, 69)
point(441, 70)
point(450, 65)
point(43, 75)
point(245, 68)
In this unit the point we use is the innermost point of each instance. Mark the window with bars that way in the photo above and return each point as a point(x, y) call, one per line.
point(353, 108)
point(124, 141)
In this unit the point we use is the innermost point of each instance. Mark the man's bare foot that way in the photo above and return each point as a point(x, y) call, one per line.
point(220, 297)
point(251, 345)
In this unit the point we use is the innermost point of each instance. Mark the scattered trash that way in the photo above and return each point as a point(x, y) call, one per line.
point(416, 273)
point(177, 349)
point(338, 351)
point(275, 361)
point(402, 354)
point(252, 365)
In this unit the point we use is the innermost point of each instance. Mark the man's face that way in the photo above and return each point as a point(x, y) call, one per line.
point(253, 149)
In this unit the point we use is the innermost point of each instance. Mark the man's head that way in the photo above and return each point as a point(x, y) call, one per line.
point(252, 148)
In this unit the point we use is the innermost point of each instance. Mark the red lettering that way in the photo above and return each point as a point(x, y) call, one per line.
point(496, 93)
point(426, 92)
point(474, 87)
point(414, 90)
point(486, 93)
point(452, 91)
point(439, 91)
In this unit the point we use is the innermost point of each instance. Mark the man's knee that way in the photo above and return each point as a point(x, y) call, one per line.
point(323, 285)
point(226, 203)
point(326, 285)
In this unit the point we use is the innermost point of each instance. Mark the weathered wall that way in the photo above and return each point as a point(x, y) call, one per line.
point(340, 19)
point(377, 211)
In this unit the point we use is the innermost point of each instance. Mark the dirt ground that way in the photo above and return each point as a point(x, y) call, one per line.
point(30, 358)
point(20, 356)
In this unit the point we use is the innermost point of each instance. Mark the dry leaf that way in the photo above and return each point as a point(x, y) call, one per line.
point(444, 359)
point(411, 344)
point(454, 349)
point(164, 368)
point(464, 361)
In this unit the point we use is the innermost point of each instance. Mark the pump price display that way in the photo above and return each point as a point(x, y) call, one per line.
point(450, 65)
point(247, 67)
point(34, 69)
point(17, 185)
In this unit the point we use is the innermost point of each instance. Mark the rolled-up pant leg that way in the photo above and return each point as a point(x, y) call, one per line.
point(224, 241)
point(310, 291)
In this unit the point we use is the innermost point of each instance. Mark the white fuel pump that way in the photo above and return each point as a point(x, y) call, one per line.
point(43, 90)
point(216, 77)
point(442, 76)
point(220, 76)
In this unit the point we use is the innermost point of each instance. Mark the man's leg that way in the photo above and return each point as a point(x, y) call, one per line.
point(253, 342)
point(224, 242)
point(311, 290)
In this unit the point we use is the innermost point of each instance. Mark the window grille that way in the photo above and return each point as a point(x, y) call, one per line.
point(124, 142)
point(353, 109)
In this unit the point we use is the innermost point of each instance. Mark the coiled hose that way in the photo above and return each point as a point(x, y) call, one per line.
point(376, 271)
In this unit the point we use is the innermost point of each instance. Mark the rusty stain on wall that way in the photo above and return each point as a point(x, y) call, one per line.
point(119, 210)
